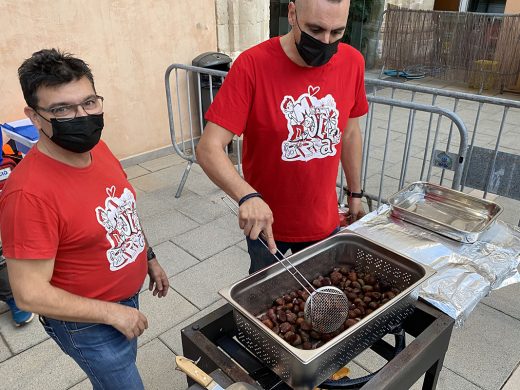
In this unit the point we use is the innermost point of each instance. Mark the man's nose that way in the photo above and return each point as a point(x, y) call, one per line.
point(80, 111)
point(326, 37)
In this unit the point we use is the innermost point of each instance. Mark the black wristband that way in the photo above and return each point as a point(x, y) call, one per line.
point(355, 194)
point(150, 255)
point(249, 196)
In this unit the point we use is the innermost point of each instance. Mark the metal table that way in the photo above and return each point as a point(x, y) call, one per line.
point(210, 339)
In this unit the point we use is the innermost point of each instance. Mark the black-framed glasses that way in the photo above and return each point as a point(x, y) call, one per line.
point(92, 106)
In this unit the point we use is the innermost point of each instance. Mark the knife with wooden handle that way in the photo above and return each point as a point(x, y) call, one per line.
point(189, 368)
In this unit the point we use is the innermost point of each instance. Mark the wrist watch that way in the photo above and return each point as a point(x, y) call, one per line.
point(150, 255)
point(355, 194)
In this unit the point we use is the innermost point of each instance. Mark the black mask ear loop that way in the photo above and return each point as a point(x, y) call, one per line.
point(45, 119)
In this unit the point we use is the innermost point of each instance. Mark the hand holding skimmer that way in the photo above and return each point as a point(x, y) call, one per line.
point(326, 309)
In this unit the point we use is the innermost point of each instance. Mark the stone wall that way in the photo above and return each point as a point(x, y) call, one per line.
point(241, 24)
point(129, 44)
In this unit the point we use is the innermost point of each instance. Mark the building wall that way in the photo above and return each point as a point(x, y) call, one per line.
point(413, 4)
point(241, 24)
point(512, 7)
point(129, 44)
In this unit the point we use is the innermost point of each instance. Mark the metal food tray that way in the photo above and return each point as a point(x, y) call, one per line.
point(450, 213)
point(305, 369)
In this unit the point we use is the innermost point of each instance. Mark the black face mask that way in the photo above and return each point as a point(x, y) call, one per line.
point(313, 51)
point(79, 135)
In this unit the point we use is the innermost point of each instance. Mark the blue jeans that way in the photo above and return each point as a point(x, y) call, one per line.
point(261, 257)
point(104, 353)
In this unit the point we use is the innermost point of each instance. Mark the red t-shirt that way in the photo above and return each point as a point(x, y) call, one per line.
point(85, 218)
point(292, 118)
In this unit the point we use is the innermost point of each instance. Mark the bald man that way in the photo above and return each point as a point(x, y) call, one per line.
point(296, 100)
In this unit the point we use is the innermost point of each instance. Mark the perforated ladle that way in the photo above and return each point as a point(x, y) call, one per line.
point(326, 309)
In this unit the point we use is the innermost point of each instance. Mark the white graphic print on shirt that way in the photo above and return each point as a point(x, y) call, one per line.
point(120, 220)
point(313, 126)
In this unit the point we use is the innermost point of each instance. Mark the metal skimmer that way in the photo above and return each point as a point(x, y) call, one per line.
point(326, 309)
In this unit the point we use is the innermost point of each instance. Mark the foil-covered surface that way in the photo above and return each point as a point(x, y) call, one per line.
point(466, 273)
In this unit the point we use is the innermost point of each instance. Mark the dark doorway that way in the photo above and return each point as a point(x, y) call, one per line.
point(487, 6)
point(446, 5)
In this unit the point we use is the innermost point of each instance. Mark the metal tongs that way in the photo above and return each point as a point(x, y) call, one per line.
point(327, 307)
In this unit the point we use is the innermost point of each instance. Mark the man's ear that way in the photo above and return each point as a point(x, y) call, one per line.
point(291, 13)
point(33, 116)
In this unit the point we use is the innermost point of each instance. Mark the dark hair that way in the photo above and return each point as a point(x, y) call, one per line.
point(47, 68)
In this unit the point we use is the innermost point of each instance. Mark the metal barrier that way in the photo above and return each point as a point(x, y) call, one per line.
point(190, 84)
point(382, 176)
point(189, 81)
point(399, 146)
point(493, 159)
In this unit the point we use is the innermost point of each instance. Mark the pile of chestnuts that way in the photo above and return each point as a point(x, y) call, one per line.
point(365, 293)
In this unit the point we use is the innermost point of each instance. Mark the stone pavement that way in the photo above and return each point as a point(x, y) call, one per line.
point(200, 246)
point(198, 242)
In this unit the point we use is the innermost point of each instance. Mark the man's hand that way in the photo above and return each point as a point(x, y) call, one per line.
point(128, 320)
point(256, 218)
point(355, 210)
point(158, 278)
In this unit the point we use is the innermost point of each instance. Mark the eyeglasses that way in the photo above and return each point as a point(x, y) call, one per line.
point(91, 106)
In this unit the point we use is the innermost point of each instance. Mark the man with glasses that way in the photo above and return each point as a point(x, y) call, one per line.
point(296, 99)
point(75, 249)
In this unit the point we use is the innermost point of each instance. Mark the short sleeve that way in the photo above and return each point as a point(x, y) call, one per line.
point(232, 104)
point(29, 227)
point(361, 104)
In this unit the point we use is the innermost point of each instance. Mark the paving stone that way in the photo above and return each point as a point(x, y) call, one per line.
point(3, 307)
point(172, 259)
point(172, 337)
point(83, 385)
point(513, 383)
point(484, 342)
point(243, 245)
point(163, 313)
point(200, 284)
point(448, 380)
point(202, 185)
point(170, 223)
point(202, 210)
point(207, 240)
point(229, 222)
point(152, 204)
point(4, 350)
point(156, 364)
point(162, 162)
point(43, 366)
point(505, 300)
point(155, 203)
point(21, 338)
point(135, 171)
point(167, 177)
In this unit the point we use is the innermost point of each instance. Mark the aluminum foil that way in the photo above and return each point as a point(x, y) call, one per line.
point(466, 273)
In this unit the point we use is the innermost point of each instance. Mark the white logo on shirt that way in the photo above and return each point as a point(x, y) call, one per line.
point(120, 220)
point(313, 126)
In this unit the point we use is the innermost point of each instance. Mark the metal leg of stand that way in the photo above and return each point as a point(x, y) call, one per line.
point(432, 375)
point(183, 179)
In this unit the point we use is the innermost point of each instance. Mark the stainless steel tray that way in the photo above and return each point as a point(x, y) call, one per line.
point(305, 369)
point(450, 213)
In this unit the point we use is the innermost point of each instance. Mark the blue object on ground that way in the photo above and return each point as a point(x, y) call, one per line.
point(406, 75)
point(28, 131)
point(20, 317)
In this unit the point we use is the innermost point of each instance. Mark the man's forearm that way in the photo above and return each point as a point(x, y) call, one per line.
point(59, 304)
point(221, 171)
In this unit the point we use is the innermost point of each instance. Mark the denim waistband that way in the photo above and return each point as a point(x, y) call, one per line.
point(44, 319)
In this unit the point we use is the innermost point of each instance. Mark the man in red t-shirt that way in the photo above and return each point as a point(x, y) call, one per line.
point(75, 249)
point(296, 99)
